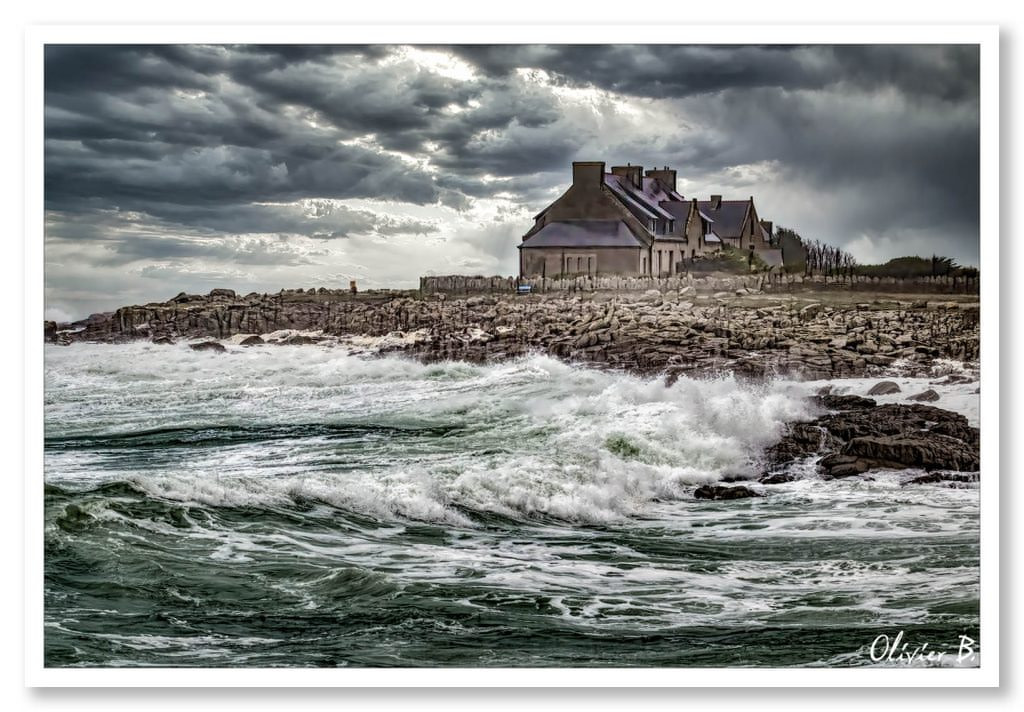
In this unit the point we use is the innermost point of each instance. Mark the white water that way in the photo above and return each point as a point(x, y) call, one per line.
point(530, 437)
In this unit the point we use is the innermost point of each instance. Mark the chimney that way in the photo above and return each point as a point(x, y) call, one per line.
point(588, 173)
point(665, 176)
point(716, 202)
point(634, 174)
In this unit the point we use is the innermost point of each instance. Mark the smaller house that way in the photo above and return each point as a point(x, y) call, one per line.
point(736, 223)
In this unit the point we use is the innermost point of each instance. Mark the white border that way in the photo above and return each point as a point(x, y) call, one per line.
point(985, 676)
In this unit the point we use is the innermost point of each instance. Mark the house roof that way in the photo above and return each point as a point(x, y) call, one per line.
point(658, 192)
point(728, 218)
point(680, 209)
point(583, 233)
point(634, 198)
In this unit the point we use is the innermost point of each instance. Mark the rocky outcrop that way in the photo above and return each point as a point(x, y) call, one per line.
point(883, 388)
point(673, 332)
point(724, 492)
point(929, 451)
point(208, 346)
point(855, 438)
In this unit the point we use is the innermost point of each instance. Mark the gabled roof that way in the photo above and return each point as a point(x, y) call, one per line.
point(636, 199)
point(583, 233)
point(679, 209)
point(657, 191)
point(728, 218)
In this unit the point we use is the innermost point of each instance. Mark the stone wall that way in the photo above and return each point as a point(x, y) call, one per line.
point(459, 284)
point(702, 282)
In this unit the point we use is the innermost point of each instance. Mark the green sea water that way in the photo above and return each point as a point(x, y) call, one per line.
point(304, 506)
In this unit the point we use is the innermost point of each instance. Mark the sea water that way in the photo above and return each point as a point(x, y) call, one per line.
point(312, 506)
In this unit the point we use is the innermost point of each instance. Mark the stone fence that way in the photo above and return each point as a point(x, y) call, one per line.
point(459, 284)
point(456, 284)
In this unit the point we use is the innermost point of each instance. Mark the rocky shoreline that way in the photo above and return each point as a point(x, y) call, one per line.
point(671, 333)
point(675, 332)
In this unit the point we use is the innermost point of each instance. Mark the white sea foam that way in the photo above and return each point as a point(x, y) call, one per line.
point(525, 438)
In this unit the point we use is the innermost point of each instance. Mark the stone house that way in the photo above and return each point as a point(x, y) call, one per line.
point(735, 222)
point(633, 222)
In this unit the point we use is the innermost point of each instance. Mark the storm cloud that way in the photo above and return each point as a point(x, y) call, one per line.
point(260, 167)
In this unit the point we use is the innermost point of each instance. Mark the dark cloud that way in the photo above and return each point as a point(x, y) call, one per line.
point(675, 71)
point(232, 155)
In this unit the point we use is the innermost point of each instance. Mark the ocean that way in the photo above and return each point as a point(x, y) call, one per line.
point(317, 506)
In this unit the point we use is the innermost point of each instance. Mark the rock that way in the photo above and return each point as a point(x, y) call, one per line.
point(841, 465)
point(723, 492)
point(223, 293)
point(884, 388)
point(954, 380)
point(801, 440)
point(251, 341)
point(833, 402)
point(928, 451)
point(208, 346)
point(298, 340)
point(811, 310)
point(49, 331)
point(777, 478)
point(933, 477)
point(163, 340)
point(928, 396)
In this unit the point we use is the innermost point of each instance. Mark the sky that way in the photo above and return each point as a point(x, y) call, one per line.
point(188, 167)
